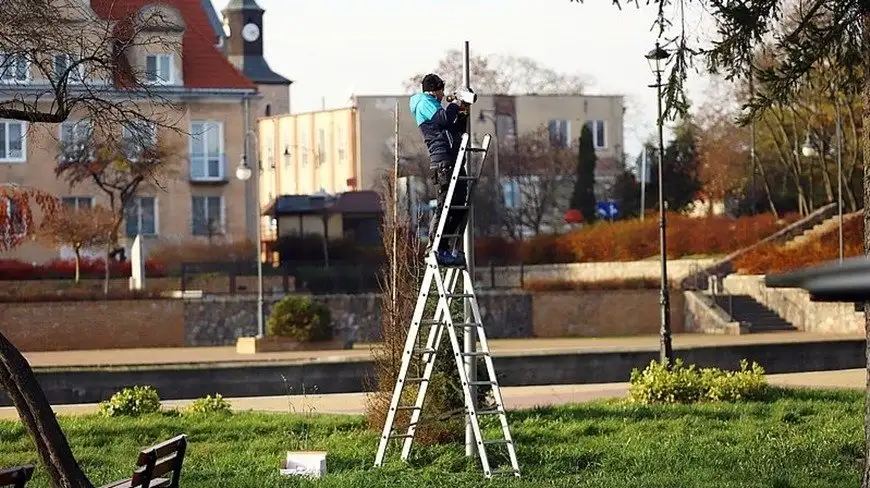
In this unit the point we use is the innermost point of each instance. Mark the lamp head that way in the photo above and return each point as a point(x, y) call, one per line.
point(655, 57)
point(243, 171)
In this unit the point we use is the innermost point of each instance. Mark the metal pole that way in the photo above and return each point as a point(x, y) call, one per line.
point(470, 335)
point(395, 265)
point(839, 174)
point(666, 351)
point(257, 220)
point(752, 155)
point(643, 162)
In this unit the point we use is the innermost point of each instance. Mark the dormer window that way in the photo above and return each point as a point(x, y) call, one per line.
point(14, 68)
point(159, 69)
point(61, 66)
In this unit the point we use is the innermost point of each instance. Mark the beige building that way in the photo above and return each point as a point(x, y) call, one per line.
point(213, 103)
point(345, 149)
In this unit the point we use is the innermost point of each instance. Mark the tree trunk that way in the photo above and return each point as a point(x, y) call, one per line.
point(107, 276)
point(767, 191)
point(865, 138)
point(19, 382)
point(78, 265)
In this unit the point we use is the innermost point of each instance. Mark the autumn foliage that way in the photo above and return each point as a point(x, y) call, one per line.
point(770, 258)
point(633, 240)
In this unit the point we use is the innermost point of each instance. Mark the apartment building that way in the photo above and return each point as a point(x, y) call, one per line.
point(346, 149)
point(215, 95)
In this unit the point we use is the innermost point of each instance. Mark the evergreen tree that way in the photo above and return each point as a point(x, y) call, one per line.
point(583, 197)
point(680, 171)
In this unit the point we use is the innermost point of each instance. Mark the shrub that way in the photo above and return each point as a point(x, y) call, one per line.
point(774, 258)
point(210, 405)
point(11, 269)
point(632, 240)
point(687, 384)
point(131, 402)
point(172, 255)
point(300, 318)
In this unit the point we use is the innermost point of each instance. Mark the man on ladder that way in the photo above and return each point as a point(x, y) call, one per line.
point(442, 131)
point(446, 270)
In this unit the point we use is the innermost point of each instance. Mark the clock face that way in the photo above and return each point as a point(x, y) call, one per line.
point(250, 32)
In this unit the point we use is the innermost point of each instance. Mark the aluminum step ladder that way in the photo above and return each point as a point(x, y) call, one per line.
point(446, 280)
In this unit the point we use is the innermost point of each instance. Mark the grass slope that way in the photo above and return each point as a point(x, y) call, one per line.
point(796, 438)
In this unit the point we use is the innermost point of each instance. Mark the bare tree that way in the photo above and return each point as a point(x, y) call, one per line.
point(502, 74)
point(80, 229)
point(59, 58)
point(541, 178)
point(118, 167)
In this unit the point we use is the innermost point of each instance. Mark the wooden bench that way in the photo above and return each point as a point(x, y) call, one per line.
point(154, 464)
point(16, 477)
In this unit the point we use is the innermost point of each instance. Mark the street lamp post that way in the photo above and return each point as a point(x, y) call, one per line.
point(244, 173)
point(809, 151)
point(655, 58)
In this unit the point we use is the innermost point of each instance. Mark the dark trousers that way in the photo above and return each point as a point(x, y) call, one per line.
point(440, 174)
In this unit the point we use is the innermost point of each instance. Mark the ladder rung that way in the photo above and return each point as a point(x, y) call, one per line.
point(475, 149)
point(431, 322)
point(466, 178)
point(493, 411)
point(482, 383)
point(424, 350)
point(415, 380)
point(467, 325)
point(504, 471)
point(460, 295)
point(451, 236)
point(407, 407)
point(400, 436)
point(497, 441)
point(459, 207)
point(476, 354)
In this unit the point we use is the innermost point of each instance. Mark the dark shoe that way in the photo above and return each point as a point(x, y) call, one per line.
point(458, 259)
point(445, 258)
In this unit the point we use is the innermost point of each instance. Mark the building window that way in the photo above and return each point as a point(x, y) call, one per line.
point(14, 68)
point(77, 203)
point(158, 69)
point(270, 151)
point(599, 133)
point(206, 150)
point(560, 133)
point(342, 145)
point(61, 69)
point(304, 148)
point(13, 141)
point(75, 136)
point(13, 225)
point(511, 192)
point(136, 137)
point(321, 146)
point(208, 215)
point(140, 216)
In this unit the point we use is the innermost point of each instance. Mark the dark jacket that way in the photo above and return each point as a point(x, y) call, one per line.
point(441, 128)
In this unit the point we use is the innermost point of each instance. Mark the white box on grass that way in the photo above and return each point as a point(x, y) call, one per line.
point(305, 463)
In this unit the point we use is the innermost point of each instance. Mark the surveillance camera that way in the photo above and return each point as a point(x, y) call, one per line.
point(466, 96)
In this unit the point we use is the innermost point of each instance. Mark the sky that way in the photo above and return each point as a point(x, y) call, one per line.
point(334, 48)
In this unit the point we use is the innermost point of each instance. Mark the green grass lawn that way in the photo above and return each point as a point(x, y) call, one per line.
point(796, 438)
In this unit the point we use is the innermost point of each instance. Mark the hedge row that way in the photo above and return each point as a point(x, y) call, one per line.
point(770, 258)
point(633, 240)
point(11, 269)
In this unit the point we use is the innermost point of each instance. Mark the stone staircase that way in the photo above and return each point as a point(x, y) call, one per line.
point(745, 309)
point(819, 230)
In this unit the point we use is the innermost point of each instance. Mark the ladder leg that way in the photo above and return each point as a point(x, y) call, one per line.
point(410, 342)
point(490, 368)
point(464, 380)
point(433, 344)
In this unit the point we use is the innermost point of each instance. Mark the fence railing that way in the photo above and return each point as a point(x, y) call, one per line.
point(239, 278)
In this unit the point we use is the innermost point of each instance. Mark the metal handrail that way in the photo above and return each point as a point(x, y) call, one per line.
point(695, 270)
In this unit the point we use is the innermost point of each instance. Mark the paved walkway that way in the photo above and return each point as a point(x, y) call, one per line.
point(515, 397)
point(361, 352)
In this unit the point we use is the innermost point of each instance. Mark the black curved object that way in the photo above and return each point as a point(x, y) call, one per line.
point(848, 281)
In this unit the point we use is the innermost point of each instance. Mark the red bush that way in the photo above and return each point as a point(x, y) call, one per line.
point(11, 269)
point(772, 258)
point(632, 240)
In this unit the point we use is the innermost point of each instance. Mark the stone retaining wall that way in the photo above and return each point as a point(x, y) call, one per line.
point(794, 305)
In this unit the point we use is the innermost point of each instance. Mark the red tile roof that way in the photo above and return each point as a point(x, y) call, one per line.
point(203, 64)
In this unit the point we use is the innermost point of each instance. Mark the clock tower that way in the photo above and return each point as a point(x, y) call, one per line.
point(244, 19)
